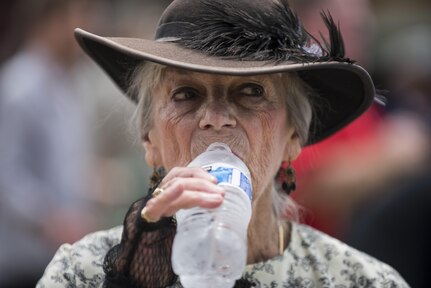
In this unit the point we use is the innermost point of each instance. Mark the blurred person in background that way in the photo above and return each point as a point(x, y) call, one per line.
point(44, 142)
point(117, 175)
point(374, 174)
point(326, 193)
point(395, 226)
point(342, 173)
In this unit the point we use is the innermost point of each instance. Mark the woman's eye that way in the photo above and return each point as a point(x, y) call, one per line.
point(183, 94)
point(252, 90)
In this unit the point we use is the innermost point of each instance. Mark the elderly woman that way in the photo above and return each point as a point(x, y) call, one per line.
point(244, 73)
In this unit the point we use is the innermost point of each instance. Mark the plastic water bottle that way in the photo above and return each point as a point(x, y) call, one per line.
point(210, 247)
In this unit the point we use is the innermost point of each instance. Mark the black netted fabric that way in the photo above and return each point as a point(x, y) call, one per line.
point(143, 257)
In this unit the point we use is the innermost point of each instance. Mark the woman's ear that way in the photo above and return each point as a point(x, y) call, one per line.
point(152, 151)
point(293, 147)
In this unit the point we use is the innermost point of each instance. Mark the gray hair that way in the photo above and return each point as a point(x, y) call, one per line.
point(298, 101)
point(143, 81)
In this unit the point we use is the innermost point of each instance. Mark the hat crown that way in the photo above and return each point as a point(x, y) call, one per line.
point(184, 14)
point(258, 30)
point(189, 11)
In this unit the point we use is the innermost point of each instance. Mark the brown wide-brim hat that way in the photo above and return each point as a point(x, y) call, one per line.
point(244, 38)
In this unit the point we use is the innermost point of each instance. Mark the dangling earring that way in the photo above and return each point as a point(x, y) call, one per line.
point(286, 176)
point(156, 177)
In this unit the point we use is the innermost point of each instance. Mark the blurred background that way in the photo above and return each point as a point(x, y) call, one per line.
point(70, 165)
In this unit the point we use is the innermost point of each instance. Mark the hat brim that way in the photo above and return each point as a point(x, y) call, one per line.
point(346, 88)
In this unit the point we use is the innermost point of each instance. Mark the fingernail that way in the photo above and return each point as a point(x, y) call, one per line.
point(145, 217)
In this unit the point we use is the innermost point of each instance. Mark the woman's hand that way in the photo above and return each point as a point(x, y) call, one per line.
point(183, 188)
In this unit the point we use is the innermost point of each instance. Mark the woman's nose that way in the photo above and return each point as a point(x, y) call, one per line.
point(217, 115)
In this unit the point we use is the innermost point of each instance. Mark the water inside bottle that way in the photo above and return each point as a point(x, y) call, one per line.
point(211, 255)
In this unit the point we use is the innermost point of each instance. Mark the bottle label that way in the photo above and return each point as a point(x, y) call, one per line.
point(231, 176)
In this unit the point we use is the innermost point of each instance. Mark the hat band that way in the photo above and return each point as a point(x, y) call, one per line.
point(172, 31)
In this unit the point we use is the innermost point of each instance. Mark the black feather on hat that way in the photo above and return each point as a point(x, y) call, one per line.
point(244, 37)
point(271, 35)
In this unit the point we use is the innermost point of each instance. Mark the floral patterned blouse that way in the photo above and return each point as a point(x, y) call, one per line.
point(312, 259)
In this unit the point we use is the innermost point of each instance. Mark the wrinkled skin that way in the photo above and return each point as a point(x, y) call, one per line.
point(192, 110)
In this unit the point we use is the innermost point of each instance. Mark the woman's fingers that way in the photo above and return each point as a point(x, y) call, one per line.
point(184, 188)
point(187, 172)
point(157, 208)
point(178, 184)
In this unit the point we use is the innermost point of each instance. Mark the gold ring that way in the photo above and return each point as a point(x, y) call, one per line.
point(157, 192)
point(145, 217)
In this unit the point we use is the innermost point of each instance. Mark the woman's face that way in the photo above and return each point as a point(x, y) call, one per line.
point(192, 110)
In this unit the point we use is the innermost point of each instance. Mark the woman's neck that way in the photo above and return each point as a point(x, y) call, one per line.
point(263, 231)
